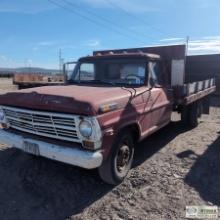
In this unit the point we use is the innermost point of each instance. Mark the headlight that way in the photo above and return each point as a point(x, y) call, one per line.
point(2, 115)
point(85, 129)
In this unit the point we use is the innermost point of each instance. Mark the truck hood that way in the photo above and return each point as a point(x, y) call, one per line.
point(75, 99)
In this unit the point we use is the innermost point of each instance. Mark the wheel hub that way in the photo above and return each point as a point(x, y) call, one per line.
point(123, 157)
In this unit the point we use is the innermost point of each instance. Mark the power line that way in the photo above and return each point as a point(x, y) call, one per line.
point(134, 16)
point(105, 19)
point(92, 20)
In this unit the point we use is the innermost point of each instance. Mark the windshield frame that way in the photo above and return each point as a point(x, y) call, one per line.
point(113, 60)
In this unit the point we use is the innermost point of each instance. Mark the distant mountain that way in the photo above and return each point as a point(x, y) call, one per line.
point(29, 70)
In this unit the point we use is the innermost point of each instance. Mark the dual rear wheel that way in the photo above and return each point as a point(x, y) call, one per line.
point(191, 113)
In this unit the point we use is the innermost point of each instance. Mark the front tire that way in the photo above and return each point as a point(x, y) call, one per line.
point(116, 167)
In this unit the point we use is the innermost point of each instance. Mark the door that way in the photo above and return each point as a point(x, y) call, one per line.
point(161, 94)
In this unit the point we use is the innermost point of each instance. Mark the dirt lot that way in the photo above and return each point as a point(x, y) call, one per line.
point(173, 168)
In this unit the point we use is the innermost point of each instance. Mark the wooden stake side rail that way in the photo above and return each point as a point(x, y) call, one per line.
point(194, 97)
point(191, 92)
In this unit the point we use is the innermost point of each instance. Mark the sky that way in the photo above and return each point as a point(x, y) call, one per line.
point(33, 31)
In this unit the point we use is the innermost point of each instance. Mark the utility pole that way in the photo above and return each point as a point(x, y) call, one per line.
point(60, 61)
point(185, 59)
point(187, 45)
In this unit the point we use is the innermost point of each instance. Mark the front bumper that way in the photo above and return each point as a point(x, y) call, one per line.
point(73, 156)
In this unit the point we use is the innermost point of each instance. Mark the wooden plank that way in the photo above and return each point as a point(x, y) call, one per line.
point(194, 97)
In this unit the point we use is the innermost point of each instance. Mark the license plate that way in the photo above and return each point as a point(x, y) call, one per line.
point(31, 148)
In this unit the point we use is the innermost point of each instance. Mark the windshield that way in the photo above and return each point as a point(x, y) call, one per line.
point(112, 72)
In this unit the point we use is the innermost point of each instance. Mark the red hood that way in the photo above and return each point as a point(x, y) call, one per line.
point(84, 100)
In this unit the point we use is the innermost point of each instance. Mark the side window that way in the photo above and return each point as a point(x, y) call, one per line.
point(159, 74)
point(69, 68)
point(87, 72)
point(154, 72)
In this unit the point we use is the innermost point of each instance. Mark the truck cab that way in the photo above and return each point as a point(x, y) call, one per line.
point(143, 78)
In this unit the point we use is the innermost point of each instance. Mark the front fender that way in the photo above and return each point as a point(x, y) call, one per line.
point(112, 123)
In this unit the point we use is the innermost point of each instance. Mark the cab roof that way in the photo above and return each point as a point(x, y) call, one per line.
point(121, 55)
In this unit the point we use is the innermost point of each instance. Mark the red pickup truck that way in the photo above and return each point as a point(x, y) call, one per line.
point(109, 102)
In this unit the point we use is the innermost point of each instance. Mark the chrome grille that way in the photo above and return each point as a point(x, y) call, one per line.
point(47, 124)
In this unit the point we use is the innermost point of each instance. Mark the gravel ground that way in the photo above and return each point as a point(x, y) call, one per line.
point(173, 168)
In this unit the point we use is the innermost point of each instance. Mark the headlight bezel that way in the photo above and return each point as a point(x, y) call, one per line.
point(95, 137)
point(85, 132)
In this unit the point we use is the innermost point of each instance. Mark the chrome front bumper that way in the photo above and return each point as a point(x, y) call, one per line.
point(73, 156)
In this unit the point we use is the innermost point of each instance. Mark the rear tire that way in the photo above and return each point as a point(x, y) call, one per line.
point(184, 115)
point(190, 114)
point(116, 167)
point(193, 115)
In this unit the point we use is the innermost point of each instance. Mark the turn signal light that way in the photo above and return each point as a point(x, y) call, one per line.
point(4, 126)
point(89, 145)
point(108, 107)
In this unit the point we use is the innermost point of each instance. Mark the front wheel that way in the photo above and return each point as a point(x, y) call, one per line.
point(116, 167)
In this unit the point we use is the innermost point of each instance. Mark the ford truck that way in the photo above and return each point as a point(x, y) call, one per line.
point(109, 102)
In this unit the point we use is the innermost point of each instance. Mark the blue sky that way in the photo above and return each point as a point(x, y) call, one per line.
point(33, 31)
